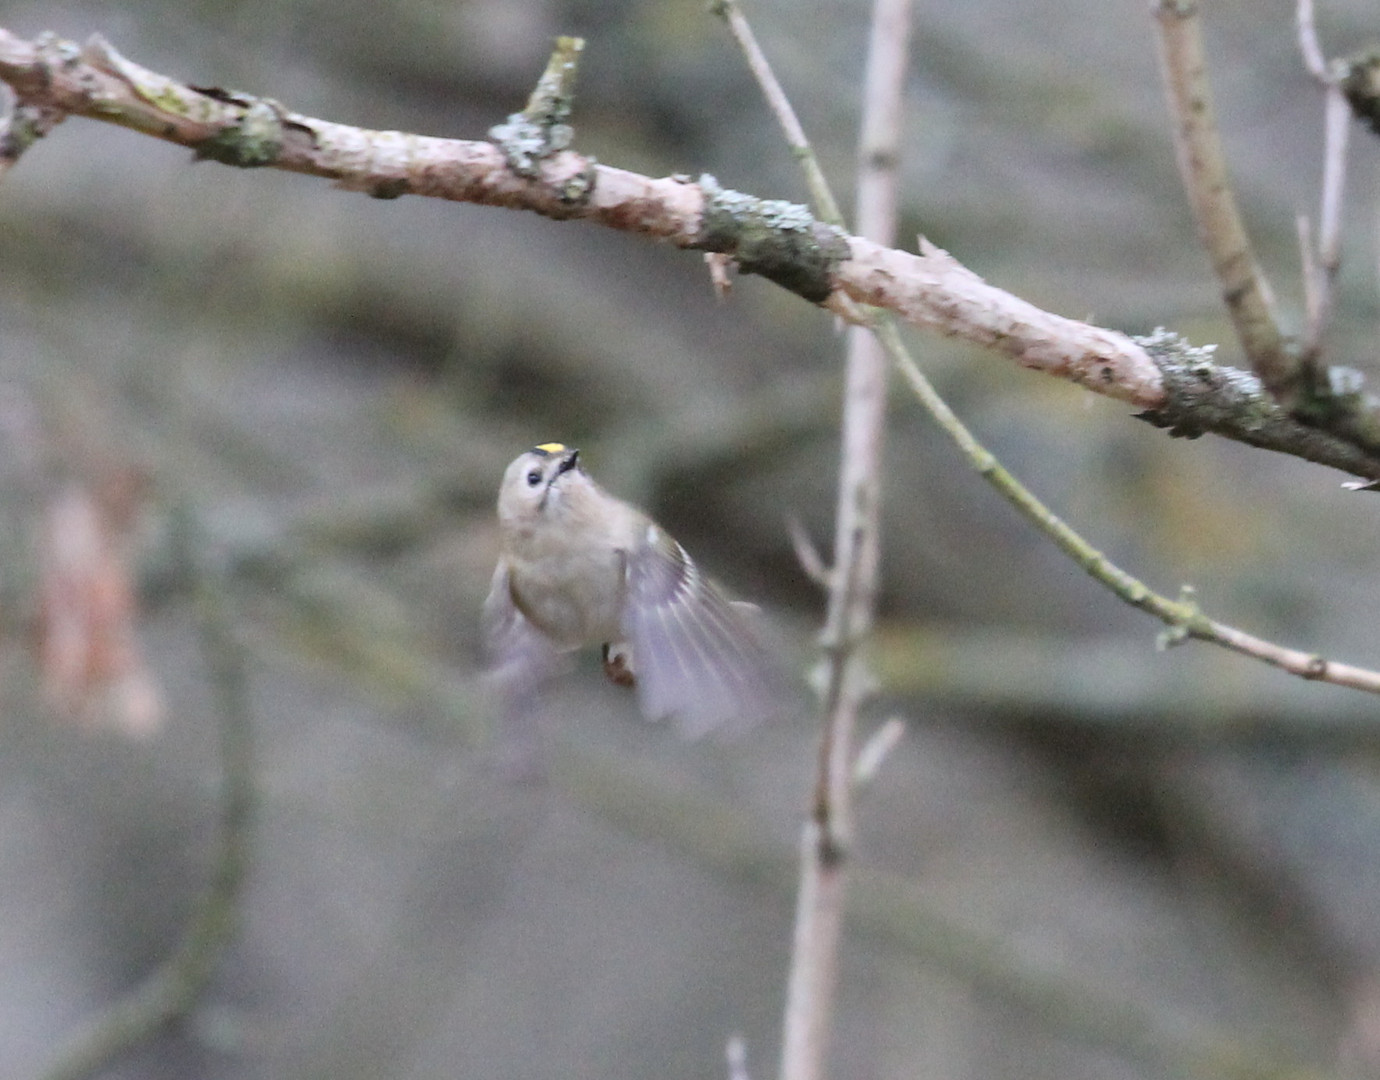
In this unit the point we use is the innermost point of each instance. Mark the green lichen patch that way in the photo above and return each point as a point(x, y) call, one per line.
point(526, 143)
point(541, 130)
point(781, 241)
point(1202, 396)
point(256, 140)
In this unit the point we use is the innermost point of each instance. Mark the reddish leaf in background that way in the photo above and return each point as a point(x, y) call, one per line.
point(87, 644)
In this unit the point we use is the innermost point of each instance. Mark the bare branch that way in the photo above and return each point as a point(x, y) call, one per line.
point(935, 291)
point(1203, 168)
point(1321, 272)
point(1308, 42)
point(777, 239)
point(1206, 397)
point(827, 836)
point(806, 554)
point(1329, 398)
point(876, 750)
point(1183, 616)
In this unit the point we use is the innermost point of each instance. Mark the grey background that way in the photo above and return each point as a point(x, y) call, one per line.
point(335, 384)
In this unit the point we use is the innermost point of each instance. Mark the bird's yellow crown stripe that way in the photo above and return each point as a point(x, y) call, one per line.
point(550, 447)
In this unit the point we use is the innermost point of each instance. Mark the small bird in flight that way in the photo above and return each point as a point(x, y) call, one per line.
point(579, 567)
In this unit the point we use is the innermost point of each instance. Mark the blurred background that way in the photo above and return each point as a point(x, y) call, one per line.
point(1087, 857)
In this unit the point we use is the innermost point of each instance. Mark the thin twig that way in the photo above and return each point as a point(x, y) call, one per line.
point(1183, 616)
point(1308, 42)
point(1320, 268)
point(1337, 129)
point(1202, 166)
point(541, 130)
point(876, 750)
point(780, 105)
point(827, 834)
point(173, 990)
point(806, 554)
point(1308, 262)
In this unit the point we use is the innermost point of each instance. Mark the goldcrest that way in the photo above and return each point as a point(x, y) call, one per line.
point(580, 568)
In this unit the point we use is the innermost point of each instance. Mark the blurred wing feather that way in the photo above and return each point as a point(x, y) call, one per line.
point(698, 656)
point(519, 656)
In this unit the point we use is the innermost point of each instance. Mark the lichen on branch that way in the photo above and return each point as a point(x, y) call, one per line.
point(778, 240)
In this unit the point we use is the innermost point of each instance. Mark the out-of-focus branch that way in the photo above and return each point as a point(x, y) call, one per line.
point(779, 240)
point(173, 990)
point(1320, 267)
point(1203, 167)
point(1308, 41)
point(1332, 399)
point(852, 580)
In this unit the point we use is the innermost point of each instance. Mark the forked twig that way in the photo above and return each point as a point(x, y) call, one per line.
point(1183, 617)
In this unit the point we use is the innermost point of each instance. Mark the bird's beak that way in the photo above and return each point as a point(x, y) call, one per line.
point(568, 462)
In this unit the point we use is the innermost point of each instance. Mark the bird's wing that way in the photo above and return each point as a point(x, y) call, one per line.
point(698, 656)
point(519, 659)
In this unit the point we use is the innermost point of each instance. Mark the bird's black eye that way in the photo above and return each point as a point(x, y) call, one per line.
point(534, 478)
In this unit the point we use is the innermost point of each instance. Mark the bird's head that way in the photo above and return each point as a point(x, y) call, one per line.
point(539, 484)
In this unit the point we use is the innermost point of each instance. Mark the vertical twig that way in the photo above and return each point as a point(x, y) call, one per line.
point(825, 204)
point(1203, 168)
point(1329, 252)
point(172, 991)
point(1320, 269)
point(853, 578)
point(1308, 41)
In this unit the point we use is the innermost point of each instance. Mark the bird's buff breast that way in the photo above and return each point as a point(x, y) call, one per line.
point(575, 599)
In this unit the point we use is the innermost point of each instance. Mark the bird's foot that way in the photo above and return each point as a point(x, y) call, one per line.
point(617, 668)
